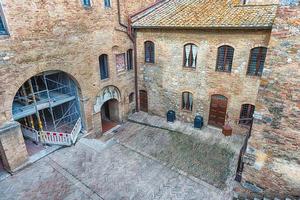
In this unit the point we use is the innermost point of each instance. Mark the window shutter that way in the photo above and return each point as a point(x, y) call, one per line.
point(195, 50)
point(191, 102)
point(257, 61)
point(225, 58)
point(187, 54)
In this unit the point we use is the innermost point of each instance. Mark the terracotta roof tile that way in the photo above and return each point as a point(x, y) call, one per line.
point(204, 14)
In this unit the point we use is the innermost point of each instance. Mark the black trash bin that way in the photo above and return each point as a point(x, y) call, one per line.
point(198, 122)
point(171, 116)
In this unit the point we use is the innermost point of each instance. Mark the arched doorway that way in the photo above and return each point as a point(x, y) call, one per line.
point(218, 108)
point(107, 104)
point(143, 101)
point(109, 114)
point(48, 108)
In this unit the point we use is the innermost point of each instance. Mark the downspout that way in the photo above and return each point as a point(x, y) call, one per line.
point(132, 36)
point(135, 72)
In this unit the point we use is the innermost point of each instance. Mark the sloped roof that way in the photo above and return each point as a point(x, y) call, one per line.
point(204, 14)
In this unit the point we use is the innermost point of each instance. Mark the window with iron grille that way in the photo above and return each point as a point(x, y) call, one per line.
point(149, 52)
point(130, 59)
point(103, 64)
point(246, 115)
point(257, 61)
point(187, 101)
point(190, 55)
point(131, 97)
point(107, 4)
point(86, 3)
point(225, 58)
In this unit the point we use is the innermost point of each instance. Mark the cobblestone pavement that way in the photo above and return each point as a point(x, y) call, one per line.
point(102, 170)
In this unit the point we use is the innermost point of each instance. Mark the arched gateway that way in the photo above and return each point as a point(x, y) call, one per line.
point(48, 108)
point(108, 104)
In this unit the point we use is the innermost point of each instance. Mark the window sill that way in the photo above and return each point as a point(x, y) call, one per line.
point(189, 68)
point(253, 76)
point(4, 36)
point(226, 72)
point(187, 111)
point(105, 80)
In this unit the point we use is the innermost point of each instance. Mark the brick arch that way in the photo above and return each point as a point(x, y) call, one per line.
point(107, 93)
point(26, 76)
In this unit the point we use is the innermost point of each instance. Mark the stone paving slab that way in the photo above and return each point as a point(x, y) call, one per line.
point(120, 173)
point(95, 169)
point(39, 181)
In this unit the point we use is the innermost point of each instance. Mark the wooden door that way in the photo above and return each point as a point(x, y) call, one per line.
point(217, 113)
point(143, 101)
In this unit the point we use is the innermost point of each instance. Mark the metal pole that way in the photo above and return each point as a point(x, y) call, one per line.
point(27, 103)
point(51, 110)
point(35, 104)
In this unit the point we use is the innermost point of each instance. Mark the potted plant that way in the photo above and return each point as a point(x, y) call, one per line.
point(226, 129)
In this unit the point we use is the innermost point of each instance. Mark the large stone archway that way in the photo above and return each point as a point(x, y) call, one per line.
point(106, 94)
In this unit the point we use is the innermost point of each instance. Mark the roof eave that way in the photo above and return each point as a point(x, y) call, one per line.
point(206, 28)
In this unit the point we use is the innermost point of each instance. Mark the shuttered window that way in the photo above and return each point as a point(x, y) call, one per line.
point(103, 64)
point(107, 4)
point(187, 101)
point(225, 58)
point(257, 61)
point(130, 59)
point(149, 52)
point(190, 55)
point(86, 3)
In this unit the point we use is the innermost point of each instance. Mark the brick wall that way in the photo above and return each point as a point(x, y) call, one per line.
point(63, 35)
point(167, 79)
point(275, 139)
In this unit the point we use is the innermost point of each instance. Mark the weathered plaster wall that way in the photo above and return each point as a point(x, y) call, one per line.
point(275, 140)
point(167, 79)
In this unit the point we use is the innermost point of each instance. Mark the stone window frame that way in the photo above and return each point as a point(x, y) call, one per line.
point(192, 60)
point(5, 33)
point(85, 5)
point(151, 59)
point(228, 60)
point(107, 6)
point(102, 78)
point(129, 59)
point(131, 98)
point(259, 63)
point(191, 107)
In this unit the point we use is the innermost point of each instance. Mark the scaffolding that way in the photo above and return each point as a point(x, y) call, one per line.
point(47, 103)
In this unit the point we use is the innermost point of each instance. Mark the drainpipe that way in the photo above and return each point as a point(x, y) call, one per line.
point(132, 36)
point(135, 72)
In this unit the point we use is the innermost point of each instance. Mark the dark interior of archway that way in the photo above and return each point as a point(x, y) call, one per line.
point(47, 102)
point(109, 115)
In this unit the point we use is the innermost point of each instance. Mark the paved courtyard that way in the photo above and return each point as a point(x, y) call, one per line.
point(118, 166)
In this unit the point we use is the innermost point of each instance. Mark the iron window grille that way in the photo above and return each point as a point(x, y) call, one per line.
point(257, 61)
point(225, 58)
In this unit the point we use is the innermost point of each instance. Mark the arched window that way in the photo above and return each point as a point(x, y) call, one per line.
point(103, 64)
point(224, 59)
point(129, 59)
point(246, 116)
point(149, 52)
point(107, 4)
point(131, 97)
point(190, 55)
point(187, 101)
point(257, 61)
point(86, 3)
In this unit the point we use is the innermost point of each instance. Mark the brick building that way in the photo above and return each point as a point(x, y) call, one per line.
point(79, 66)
